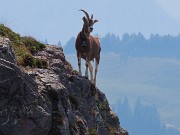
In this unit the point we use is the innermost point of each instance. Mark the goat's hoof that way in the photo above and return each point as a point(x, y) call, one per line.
point(93, 83)
point(86, 76)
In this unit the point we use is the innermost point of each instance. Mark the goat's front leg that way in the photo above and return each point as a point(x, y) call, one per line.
point(91, 71)
point(87, 62)
point(79, 64)
point(96, 70)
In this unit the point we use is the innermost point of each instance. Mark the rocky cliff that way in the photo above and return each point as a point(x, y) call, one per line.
point(50, 99)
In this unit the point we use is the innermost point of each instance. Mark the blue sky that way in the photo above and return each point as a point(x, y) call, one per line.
point(60, 19)
point(171, 7)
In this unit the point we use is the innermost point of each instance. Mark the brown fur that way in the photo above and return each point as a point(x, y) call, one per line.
point(92, 49)
point(88, 46)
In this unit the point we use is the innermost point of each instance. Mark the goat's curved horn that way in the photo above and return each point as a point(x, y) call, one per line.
point(87, 15)
point(92, 16)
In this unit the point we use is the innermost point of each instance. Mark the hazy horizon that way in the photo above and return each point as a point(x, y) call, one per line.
point(59, 20)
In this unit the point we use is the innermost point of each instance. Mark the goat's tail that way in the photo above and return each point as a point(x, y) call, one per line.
point(99, 50)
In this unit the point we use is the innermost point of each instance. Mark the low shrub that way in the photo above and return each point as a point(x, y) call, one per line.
point(32, 44)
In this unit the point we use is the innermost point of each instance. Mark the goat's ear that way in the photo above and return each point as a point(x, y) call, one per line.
point(96, 20)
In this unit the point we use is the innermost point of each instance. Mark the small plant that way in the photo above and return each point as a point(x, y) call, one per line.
point(112, 130)
point(103, 105)
point(92, 131)
point(74, 72)
point(29, 60)
point(40, 63)
point(32, 44)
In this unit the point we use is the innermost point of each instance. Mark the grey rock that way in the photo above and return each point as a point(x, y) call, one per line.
point(51, 101)
point(6, 51)
point(20, 109)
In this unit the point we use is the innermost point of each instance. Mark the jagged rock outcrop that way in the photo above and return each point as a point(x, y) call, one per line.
point(51, 101)
point(22, 109)
point(6, 51)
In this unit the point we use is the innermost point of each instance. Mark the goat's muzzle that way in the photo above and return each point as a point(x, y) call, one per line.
point(90, 28)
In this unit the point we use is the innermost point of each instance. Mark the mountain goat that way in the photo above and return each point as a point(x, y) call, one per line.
point(88, 47)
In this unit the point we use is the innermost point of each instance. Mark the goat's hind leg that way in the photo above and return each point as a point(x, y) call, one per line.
point(86, 64)
point(79, 64)
point(96, 70)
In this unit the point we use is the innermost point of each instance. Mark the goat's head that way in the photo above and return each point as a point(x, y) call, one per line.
point(88, 22)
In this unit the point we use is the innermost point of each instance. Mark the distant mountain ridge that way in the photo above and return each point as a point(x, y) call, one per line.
point(146, 116)
point(136, 45)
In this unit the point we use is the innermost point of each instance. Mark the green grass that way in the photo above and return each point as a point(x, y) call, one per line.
point(92, 131)
point(32, 44)
point(74, 72)
point(103, 106)
point(112, 130)
point(24, 48)
point(29, 60)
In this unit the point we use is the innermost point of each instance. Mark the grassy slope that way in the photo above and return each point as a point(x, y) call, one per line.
point(24, 48)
